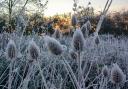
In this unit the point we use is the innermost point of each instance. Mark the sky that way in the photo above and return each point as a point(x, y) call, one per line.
point(64, 6)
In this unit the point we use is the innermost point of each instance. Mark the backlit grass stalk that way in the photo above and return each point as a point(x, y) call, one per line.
point(25, 81)
point(103, 14)
point(42, 76)
point(71, 73)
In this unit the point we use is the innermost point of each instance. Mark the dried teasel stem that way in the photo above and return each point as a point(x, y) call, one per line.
point(79, 68)
point(42, 76)
point(34, 55)
point(71, 73)
point(107, 6)
point(78, 46)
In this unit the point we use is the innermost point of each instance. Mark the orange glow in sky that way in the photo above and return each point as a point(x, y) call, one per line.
point(63, 6)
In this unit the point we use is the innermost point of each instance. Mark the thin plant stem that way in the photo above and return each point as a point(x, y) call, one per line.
point(27, 76)
point(79, 69)
point(4, 72)
point(41, 73)
point(69, 69)
point(10, 75)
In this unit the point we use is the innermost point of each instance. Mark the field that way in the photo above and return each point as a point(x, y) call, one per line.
point(79, 50)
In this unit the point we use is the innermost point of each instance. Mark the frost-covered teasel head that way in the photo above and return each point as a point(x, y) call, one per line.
point(53, 45)
point(33, 50)
point(78, 40)
point(105, 72)
point(11, 50)
point(117, 75)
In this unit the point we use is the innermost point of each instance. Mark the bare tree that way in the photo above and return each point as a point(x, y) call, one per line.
point(9, 7)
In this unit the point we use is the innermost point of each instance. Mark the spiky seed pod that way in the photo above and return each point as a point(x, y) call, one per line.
point(11, 50)
point(72, 54)
point(117, 75)
point(78, 40)
point(33, 50)
point(105, 71)
point(53, 46)
point(74, 20)
point(56, 34)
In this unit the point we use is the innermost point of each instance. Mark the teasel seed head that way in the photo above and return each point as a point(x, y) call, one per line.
point(33, 50)
point(78, 41)
point(11, 50)
point(105, 72)
point(75, 4)
point(53, 45)
point(117, 75)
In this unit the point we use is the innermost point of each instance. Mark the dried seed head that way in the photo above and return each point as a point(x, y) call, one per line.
point(72, 54)
point(105, 71)
point(11, 50)
point(117, 75)
point(33, 50)
point(78, 40)
point(75, 4)
point(56, 34)
point(74, 20)
point(53, 46)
